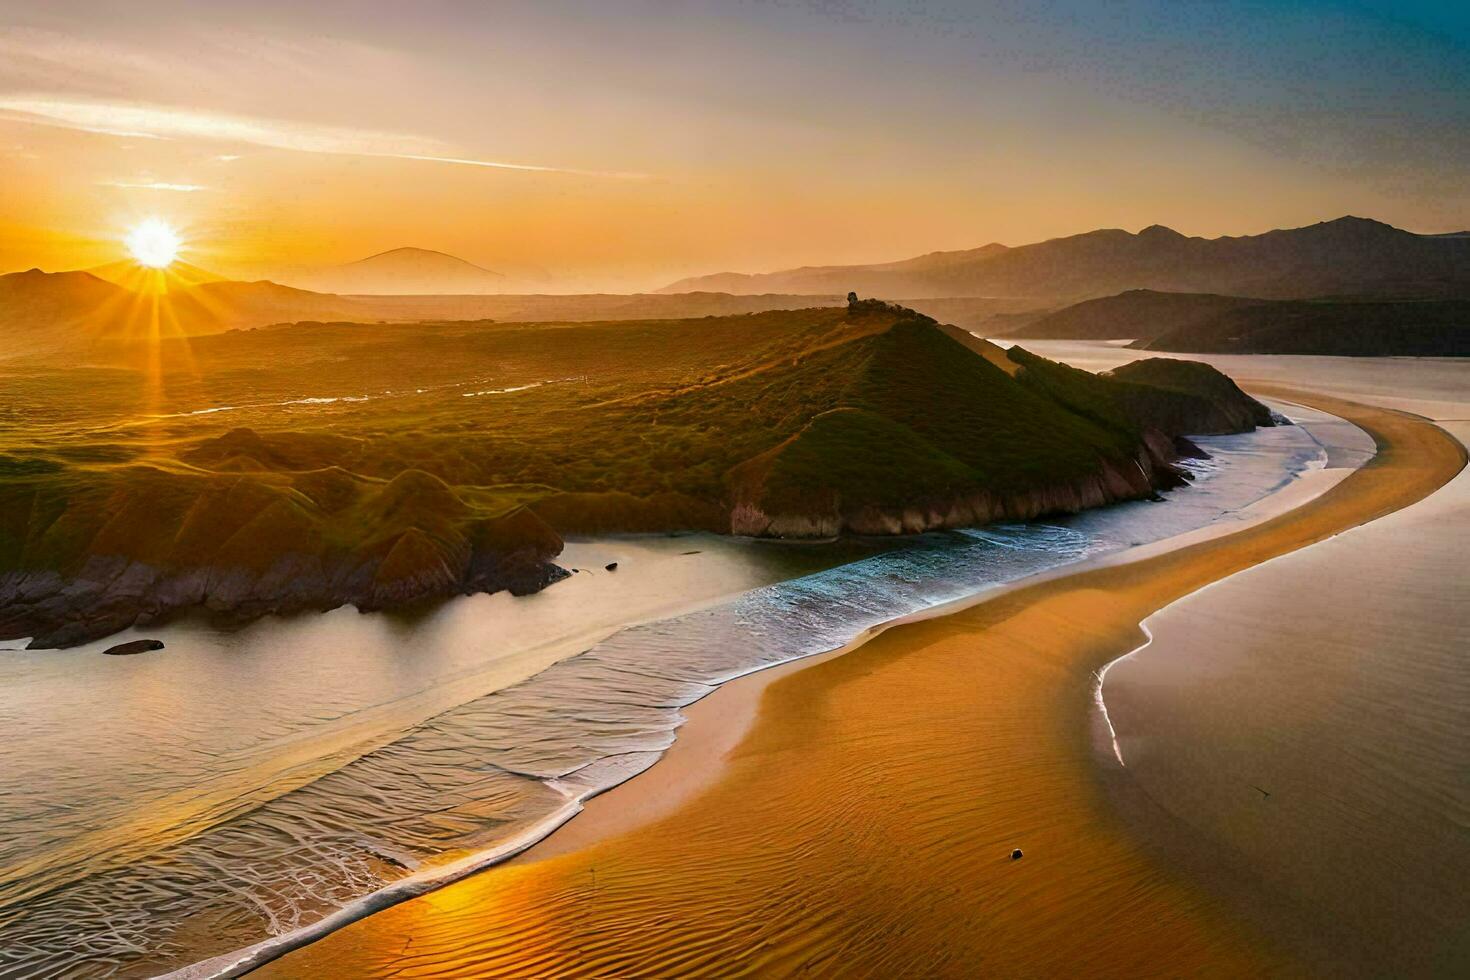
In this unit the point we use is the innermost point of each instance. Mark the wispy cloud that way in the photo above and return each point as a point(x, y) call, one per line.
point(151, 185)
point(622, 175)
point(167, 123)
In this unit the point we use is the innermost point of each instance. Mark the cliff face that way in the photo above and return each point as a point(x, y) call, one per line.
point(1113, 482)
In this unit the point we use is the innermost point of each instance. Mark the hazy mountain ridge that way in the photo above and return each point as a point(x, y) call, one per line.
point(403, 271)
point(1130, 315)
point(46, 313)
point(1349, 255)
point(1209, 323)
point(49, 312)
point(1358, 328)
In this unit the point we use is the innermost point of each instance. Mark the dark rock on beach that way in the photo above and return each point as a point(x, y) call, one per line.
point(133, 646)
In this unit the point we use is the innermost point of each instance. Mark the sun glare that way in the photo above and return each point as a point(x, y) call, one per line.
point(153, 243)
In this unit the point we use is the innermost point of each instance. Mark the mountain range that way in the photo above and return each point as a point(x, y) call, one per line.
point(1347, 256)
point(46, 312)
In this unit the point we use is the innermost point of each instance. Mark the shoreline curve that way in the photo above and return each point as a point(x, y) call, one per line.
point(498, 906)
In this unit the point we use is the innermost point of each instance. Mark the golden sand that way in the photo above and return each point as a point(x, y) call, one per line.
point(864, 824)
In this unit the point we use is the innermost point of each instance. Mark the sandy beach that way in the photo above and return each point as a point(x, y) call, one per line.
point(865, 820)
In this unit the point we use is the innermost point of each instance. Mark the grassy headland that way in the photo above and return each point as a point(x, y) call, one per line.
point(314, 464)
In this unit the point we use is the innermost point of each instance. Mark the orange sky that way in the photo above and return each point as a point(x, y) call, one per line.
point(735, 136)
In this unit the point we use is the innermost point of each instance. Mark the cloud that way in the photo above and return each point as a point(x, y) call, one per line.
point(152, 185)
point(622, 175)
point(167, 123)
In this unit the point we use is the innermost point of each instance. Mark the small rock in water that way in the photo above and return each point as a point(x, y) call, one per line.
point(1016, 854)
point(611, 566)
point(133, 646)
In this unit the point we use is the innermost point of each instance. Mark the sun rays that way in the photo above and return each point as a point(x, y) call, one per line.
point(153, 243)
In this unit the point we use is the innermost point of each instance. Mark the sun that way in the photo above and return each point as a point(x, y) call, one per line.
point(153, 243)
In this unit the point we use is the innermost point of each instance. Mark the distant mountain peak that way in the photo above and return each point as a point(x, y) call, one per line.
point(423, 255)
point(405, 270)
point(1353, 222)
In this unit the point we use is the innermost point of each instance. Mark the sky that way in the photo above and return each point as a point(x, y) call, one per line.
point(622, 145)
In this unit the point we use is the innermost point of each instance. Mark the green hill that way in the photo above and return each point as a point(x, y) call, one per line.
point(307, 466)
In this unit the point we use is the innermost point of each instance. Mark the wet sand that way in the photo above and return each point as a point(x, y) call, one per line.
point(1321, 734)
point(864, 822)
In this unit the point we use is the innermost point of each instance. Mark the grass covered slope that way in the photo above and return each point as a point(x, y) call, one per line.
point(922, 432)
point(311, 465)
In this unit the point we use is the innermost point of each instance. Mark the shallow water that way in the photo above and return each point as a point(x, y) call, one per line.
point(156, 810)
